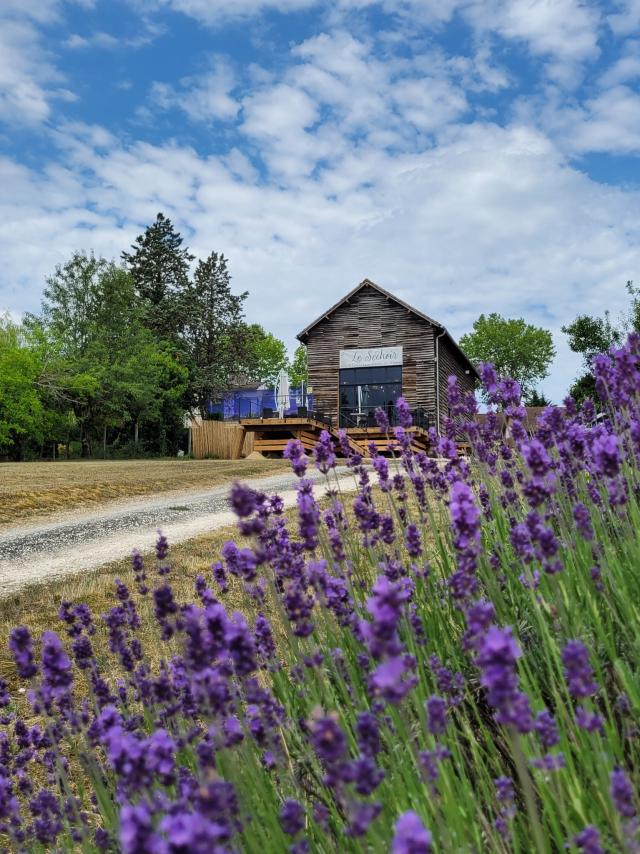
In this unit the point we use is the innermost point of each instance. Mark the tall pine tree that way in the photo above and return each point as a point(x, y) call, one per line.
point(160, 270)
point(215, 330)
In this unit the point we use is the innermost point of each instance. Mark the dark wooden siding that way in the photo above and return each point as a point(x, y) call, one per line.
point(450, 364)
point(369, 319)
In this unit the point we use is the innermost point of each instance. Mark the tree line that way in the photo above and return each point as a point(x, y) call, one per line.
point(119, 352)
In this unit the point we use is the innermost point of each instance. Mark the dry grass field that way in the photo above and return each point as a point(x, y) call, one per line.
point(30, 490)
point(37, 606)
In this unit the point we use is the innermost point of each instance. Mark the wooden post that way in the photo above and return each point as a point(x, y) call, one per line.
point(237, 451)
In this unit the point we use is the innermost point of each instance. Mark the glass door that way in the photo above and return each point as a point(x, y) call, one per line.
point(363, 390)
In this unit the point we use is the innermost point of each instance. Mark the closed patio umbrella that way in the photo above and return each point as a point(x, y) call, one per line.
point(282, 393)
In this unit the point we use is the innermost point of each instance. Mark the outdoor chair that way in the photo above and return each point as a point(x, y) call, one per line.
point(302, 412)
point(267, 412)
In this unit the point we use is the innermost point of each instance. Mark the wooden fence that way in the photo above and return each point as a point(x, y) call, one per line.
point(220, 440)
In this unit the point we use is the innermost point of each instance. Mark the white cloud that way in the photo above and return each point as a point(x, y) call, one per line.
point(566, 30)
point(625, 69)
point(148, 32)
point(203, 97)
point(218, 12)
point(40, 11)
point(29, 80)
point(626, 19)
point(342, 94)
point(97, 39)
point(608, 122)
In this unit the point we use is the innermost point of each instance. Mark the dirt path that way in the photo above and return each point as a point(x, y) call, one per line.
point(82, 541)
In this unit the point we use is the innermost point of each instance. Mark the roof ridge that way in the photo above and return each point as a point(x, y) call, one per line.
point(366, 282)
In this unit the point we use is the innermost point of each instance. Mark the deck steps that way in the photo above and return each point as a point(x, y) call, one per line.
point(272, 434)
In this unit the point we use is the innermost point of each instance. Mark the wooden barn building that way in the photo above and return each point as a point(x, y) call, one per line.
point(363, 353)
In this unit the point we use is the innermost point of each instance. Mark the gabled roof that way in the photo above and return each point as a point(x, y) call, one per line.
point(367, 283)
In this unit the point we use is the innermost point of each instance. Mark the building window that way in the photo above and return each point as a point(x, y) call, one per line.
point(363, 390)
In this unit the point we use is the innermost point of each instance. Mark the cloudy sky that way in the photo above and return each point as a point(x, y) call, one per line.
point(468, 155)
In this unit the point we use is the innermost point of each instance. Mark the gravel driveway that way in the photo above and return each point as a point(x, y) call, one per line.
point(82, 541)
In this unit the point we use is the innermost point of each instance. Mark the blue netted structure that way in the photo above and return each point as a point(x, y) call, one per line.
point(252, 402)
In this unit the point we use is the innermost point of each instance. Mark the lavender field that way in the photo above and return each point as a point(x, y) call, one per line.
point(448, 662)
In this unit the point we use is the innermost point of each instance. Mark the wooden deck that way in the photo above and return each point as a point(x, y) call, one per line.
point(272, 434)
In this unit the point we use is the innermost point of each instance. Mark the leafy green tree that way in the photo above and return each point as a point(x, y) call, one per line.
point(592, 335)
point(159, 266)
point(21, 411)
point(265, 355)
point(299, 371)
point(537, 398)
point(515, 348)
point(150, 384)
point(70, 303)
point(215, 331)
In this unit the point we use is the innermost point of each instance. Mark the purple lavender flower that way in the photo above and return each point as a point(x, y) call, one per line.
point(368, 734)
point(47, 816)
point(328, 740)
point(430, 764)
point(382, 420)
point(160, 749)
point(410, 835)
point(244, 500)
point(264, 637)
point(193, 832)
point(549, 762)
point(436, 715)
point(361, 818)
point(291, 817)
point(393, 679)
point(489, 379)
point(308, 515)
point(324, 453)
point(21, 646)
point(537, 458)
point(589, 721)
point(294, 452)
point(465, 522)
point(622, 793)
point(606, 454)
point(413, 541)
point(577, 670)
point(385, 607)
point(403, 413)
point(241, 645)
point(57, 677)
point(137, 835)
point(582, 518)
point(497, 659)
point(588, 840)
point(546, 728)
point(504, 790)
point(162, 546)
point(479, 617)
point(506, 798)
point(365, 775)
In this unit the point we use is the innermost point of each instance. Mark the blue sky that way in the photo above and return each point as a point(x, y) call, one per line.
point(468, 155)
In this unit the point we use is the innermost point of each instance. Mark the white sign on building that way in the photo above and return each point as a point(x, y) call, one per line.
point(371, 357)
